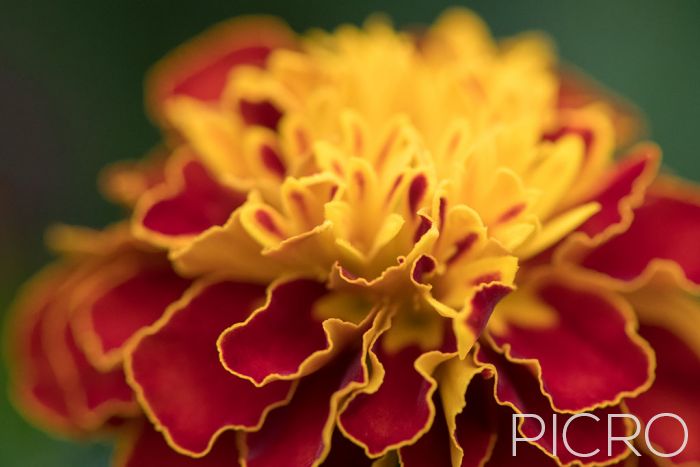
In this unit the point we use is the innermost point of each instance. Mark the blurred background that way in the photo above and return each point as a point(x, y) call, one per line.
point(71, 101)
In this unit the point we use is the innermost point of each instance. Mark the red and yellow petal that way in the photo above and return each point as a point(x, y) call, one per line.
point(670, 321)
point(397, 412)
point(289, 337)
point(517, 387)
point(35, 386)
point(141, 445)
point(180, 351)
point(188, 203)
point(52, 379)
point(300, 433)
point(662, 239)
point(125, 295)
point(433, 448)
point(200, 68)
point(581, 341)
point(622, 191)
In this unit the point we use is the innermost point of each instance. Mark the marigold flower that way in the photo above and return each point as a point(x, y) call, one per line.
point(371, 247)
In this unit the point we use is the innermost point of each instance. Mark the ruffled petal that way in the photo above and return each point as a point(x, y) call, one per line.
point(143, 446)
point(516, 386)
point(433, 448)
point(35, 386)
point(662, 237)
point(671, 324)
point(582, 342)
point(52, 379)
point(290, 336)
point(300, 433)
point(180, 351)
point(200, 68)
point(396, 413)
point(623, 190)
point(475, 425)
point(190, 202)
point(124, 296)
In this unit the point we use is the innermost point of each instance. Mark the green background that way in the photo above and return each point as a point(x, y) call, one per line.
point(71, 101)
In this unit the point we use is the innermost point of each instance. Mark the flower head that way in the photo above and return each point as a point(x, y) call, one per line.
point(370, 246)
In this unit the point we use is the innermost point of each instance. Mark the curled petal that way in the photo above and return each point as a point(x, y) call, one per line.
point(661, 239)
point(123, 297)
point(433, 448)
point(190, 202)
point(200, 68)
point(400, 409)
point(143, 446)
point(671, 322)
point(180, 350)
point(226, 248)
point(582, 342)
point(516, 387)
point(35, 384)
point(474, 433)
point(286, 338)
point(52, 379)
point(300, 432)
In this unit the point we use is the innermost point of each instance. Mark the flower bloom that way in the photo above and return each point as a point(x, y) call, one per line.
point(372, 247)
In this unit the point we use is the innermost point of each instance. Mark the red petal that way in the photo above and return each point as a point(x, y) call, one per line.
point(623, 190)
point(135, 299)
point(527, 454)
point(34, 383)
point(278, 338)
point(433, 448)
point(53, 380)
point(666, 227)
point(517, 386)
point(299, 434)
point(476, 424)
point(147, 448)
point(675, 390)
point(189, 203)
point(398, 412)
point(200, 68)
point(590, 356)
point(180, 351)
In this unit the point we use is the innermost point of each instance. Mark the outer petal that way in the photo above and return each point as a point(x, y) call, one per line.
point(582, 343)
point(528, 454)
point(35, 386)
point(433, 448)
point(122, 297)
point(475, 425)
point(396, 413)
point(299, 434)
point(516, 386)
point(671, 323)
point(286, 338)
point(190, 202)
point(200, 68)
point(143, 446)
point(52, 379)
point(180, 350)
point(623, 190)
point(662, 237)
